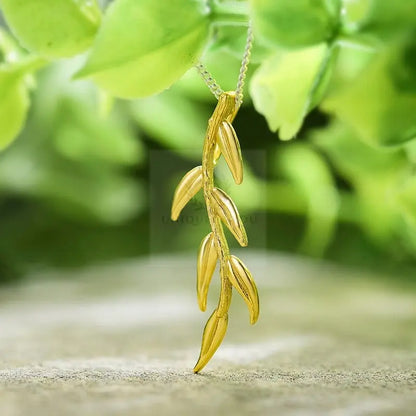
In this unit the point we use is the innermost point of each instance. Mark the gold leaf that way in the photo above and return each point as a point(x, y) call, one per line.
point(241, 278)
point(207, 260)
point(227, 211)
point(190, 184)
point(230, 148)
point(214, 332)
point(217, 153)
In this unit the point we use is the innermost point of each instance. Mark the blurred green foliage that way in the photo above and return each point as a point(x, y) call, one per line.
point(33, 24)
point(336, 76)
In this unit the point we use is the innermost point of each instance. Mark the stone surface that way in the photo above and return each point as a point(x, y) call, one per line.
point(122, 340)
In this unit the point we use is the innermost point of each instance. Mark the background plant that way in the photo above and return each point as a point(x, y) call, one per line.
point(338, 78)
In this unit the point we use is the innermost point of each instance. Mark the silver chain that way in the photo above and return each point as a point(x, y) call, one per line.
point(244, 67)
point(212, 83)
point(209, 80)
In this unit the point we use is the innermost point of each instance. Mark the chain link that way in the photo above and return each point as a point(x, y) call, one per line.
point(212, 83)
point(244, 67)
point(209, 80)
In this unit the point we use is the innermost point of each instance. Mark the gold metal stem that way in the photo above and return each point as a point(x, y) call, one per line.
point(220, 139)
point(226, 110)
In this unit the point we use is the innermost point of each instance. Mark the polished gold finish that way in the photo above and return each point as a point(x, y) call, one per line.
point(241, 278)
point(230, 148)
point(225, 208)
point(220, 138)
point(207, 261)
point(214, 333)
point(188, 187)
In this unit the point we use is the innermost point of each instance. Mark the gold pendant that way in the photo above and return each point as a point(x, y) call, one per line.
point(220, 139)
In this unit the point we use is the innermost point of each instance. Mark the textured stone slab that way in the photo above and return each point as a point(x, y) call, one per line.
point(123, 340)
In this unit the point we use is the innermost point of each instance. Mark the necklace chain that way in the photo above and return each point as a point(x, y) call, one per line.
point(244, 67)
point(209, 80)
point(212, 83)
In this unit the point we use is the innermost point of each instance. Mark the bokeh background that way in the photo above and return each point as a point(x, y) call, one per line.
point(98, 313)
point(90, 178)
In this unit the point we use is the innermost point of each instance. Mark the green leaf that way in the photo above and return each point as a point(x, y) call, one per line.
point(233, 39)
point(402, 65)
point(352, 59)
point(65, 158)
point(184, 124)
point(53, 28)
point(15, 82)
point(372, 173)
point(91, 192)
point(355, 12)
point(288, 85)
point(74, 114)
point(378, 103)
point(295, 23)
point(144, 46)
point(354, 159)
point(80, 134)
point(14, 103)
point(386, 18)
point(406, 199)
point(10, 51)
point(311, 175)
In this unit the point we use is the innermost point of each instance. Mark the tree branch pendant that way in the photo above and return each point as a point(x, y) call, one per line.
point(220, 139)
